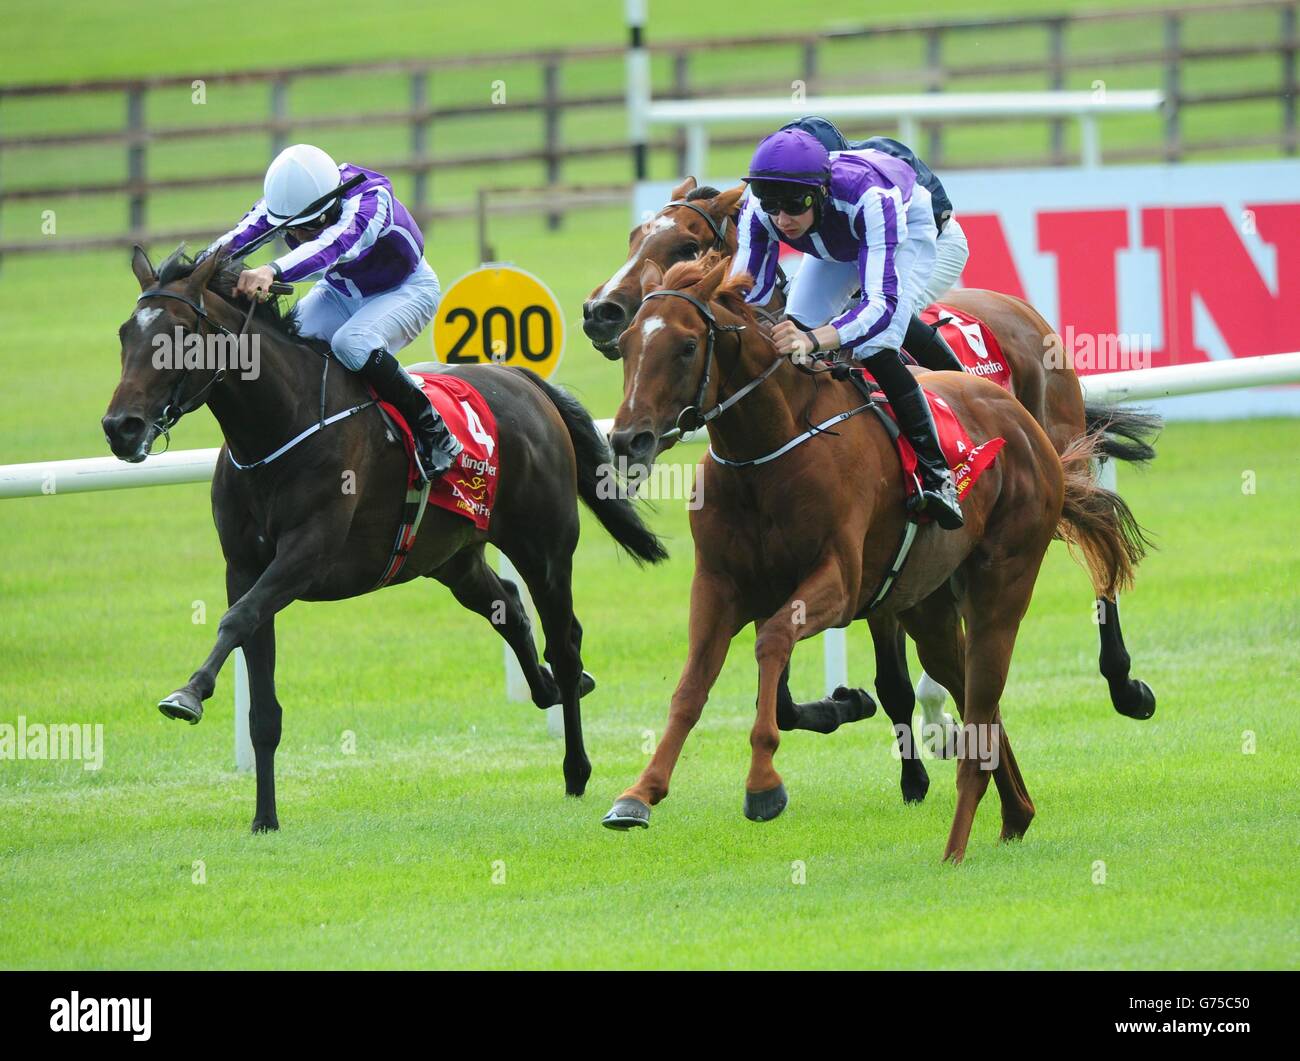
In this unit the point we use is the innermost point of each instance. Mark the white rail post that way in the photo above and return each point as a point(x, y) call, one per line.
point(835, 662)
point(638, 86)
point(697, 151)
point(245, 758)
point(1089, 141)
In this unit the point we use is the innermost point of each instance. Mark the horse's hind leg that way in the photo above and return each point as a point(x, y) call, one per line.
point(894, 687)
point(1130, 696)
point(480, 589)
point(821, 716)
point(549, 576)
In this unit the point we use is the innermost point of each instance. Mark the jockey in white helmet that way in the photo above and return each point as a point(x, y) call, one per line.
point(375, 294)
point(863, 221)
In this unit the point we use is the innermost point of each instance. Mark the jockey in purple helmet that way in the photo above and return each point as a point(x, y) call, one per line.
point(862, 221)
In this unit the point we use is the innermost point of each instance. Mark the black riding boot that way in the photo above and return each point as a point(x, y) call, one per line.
point(926, 343)
point(436, 448)
point(938, 491)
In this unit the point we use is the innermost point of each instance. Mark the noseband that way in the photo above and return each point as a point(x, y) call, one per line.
point(691, 419)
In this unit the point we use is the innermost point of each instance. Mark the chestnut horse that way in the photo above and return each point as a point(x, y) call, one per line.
point(301, 527)
point(803, 541)
point(699, 219)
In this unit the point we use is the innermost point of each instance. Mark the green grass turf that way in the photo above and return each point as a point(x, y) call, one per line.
point(387, 855)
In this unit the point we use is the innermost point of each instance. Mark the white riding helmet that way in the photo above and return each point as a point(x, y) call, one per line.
point(299, 176)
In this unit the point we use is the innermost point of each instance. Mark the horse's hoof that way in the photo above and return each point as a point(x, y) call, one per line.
point(266, 825)
point(860, 704)
point(627, 813)
point(915, 789)
point(1136, 701)
point(586, 683)
point(764, 806)
point(182, 705)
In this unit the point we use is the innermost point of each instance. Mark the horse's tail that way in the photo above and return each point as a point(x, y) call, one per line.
point(616, 514)
point(1124, 433)
point(1098, 522)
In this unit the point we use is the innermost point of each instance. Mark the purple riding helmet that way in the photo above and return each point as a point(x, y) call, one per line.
point(791, 164)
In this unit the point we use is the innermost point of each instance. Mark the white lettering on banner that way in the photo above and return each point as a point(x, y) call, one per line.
point(1139, 258)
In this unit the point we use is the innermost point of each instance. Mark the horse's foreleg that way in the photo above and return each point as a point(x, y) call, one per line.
point(1130, 696)
point(714, 621)
point(285, 579)
point(264, 717)
point(820, 601)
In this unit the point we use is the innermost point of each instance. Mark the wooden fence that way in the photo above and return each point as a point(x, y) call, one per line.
point(945, 66)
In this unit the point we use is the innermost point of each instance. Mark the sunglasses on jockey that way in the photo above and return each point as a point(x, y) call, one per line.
point(792, 205)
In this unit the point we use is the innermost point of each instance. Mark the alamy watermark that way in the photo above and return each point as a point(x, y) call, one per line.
point(1097, 352)
point(657, 481)
point(54, 741)
point(211, 351)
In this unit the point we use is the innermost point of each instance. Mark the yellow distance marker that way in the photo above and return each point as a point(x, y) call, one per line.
point(499, 314)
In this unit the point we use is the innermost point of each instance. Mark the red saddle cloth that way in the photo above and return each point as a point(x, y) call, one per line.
point(972, 341)
point(967, 460)
point(469, 487)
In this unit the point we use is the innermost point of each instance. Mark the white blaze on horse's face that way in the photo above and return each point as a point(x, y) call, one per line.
point(145, 317)
point(651, 326)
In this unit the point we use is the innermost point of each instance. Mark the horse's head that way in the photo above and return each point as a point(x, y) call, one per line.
point(671, 361)
point(677, 234)
point(154, 384)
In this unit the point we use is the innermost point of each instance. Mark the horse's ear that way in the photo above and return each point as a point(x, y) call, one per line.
point(709, 284)
point(652, 278)
point(206, 269)
point(143, 268)
point(724, 204)
point(686, 187)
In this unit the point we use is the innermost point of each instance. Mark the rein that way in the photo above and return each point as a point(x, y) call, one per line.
point(174, 410)
point(690, 419)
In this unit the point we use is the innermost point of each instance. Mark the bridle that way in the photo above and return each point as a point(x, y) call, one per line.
point(690, 419)
point(719, 230)
point(174, 409)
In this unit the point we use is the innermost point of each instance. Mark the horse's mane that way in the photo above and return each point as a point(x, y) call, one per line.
point(178, 265)
point(730, 294)
point(704, 191)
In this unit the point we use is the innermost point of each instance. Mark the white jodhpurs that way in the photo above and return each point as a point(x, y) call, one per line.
point(950, 253)
point(355, 326)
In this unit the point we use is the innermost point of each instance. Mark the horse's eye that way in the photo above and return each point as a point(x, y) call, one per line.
point(689, 347)
point(689, 250)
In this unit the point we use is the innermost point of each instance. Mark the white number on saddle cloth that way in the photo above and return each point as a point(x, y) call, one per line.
point(974, 336)
point(476, 428)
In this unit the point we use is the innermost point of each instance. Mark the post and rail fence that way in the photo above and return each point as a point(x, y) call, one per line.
point(824, 62)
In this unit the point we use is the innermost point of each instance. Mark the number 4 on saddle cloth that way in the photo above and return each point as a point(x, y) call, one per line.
point(468, 488)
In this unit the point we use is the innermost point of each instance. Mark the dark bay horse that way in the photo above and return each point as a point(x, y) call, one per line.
point(319, 523)
point(703, 219)
point(803, 542)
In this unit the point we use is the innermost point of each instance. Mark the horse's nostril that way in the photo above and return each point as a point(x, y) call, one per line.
point(586, 310)
point(609, 312)
point(642, 443)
